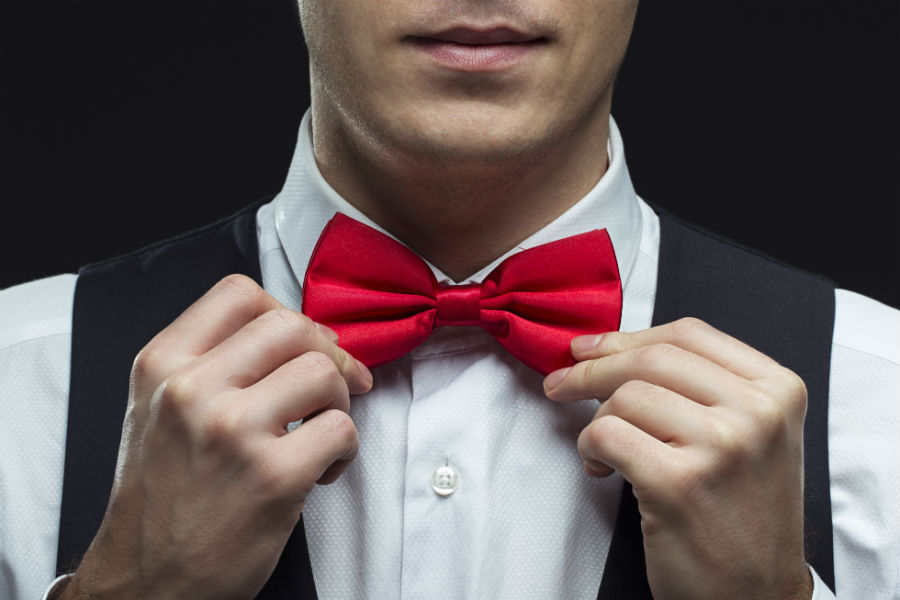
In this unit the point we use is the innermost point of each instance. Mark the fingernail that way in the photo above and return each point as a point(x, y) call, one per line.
point(328, 331)
point(554, 378)
point(583, 343)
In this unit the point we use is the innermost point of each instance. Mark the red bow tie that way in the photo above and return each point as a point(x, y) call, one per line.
point(383, 300)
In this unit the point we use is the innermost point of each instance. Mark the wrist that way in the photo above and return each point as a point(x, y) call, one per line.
point(66, 589)
point(55, 591)
point(70, 589)
point(802, 588)
point(806, 592)
point(74, 587)
point(99, 582)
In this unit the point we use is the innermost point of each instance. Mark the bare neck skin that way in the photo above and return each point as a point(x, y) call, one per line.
point(461, 214)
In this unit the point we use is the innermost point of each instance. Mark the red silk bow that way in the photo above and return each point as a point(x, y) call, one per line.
point(383, 300)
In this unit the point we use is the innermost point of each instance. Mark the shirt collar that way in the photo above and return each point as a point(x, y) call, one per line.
point(307, 202)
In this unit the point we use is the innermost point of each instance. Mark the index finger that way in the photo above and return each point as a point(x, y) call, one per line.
point(688, 333)
point(229, 305)
point(271, 340)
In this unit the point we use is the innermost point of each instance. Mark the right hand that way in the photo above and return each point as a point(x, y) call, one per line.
point(209, 483)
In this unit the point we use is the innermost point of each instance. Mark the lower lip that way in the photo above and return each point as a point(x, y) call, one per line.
point(463, 57)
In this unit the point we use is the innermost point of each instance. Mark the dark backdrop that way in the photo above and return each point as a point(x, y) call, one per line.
point(773, 123)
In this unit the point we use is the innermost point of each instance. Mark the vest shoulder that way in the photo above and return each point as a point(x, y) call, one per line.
point(705, 245)
point(182, 246)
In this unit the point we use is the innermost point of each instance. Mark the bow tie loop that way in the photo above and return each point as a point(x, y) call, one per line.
point(458, 305)
point(383, 300)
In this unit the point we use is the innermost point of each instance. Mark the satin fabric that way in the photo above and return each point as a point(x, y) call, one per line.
point(383, 300)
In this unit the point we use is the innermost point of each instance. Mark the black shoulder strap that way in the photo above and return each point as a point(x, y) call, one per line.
point(783, 312)
point(119, 306)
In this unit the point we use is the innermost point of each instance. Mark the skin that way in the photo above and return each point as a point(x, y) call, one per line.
point(461, 166)
point(709, 432)
point(205, 442)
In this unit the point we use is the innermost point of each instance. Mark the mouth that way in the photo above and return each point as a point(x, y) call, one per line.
point(466, 36)
point(477, 50)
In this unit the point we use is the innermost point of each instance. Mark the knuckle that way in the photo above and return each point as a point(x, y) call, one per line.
point(342, 361)
point(226, 428)
point(288, 319)
point(770, 417)
point(340, 427)
point(178, 393)
point(793, 384)
point(615, 404)
point(611, 343)
point(768, 411)
point(689, 327)
point(758, 400)
point(621, 400)
point(588, 370)
point(594, 438)
point(240, 285)
point(635, 388)
point(648, 357)
point(727, 440)
point(319, 366)
point(296, 325)
point(148, 364)
point(652, 524)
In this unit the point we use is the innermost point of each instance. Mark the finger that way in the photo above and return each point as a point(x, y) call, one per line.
point(224, 309)
point(301, 387)
point(669, 417)
point(664, 365)
point(637, 455)
point(330, 333)
point(597, 469)
point(271, 340)
point(320, 449)
point(691, 334)
point(332, 473)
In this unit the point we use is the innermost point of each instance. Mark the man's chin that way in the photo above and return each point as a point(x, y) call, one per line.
point(471, 152)
point(472, 141)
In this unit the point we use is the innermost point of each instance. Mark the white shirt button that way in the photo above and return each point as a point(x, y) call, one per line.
point(444, 481)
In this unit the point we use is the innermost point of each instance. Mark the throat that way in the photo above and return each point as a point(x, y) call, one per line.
point(462, 214)
point(462, 228)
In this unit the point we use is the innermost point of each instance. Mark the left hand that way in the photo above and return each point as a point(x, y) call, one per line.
point(709, 432)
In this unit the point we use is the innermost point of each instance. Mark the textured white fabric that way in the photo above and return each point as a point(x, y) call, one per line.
point(864, 365)
point(460, 399)
point(35, 334)
point(525, 521)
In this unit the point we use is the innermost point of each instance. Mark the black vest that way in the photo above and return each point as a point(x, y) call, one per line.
point(121, 303)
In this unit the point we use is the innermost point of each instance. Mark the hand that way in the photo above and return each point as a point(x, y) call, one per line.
point(209, 483)
point(709, 432)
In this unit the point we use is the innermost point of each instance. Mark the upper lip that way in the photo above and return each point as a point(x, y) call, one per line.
point(470, 36)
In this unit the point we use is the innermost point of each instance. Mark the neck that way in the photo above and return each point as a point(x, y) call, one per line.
point(462, 214)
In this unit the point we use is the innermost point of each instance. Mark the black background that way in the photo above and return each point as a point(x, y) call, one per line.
point(122, 123)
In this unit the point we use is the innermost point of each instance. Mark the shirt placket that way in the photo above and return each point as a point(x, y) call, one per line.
point(443, 474)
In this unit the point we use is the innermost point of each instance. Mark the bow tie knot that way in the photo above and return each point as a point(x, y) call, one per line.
point(458, 305)
point(383, 300)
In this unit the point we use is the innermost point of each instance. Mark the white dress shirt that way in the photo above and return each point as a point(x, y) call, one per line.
point(511, 513)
